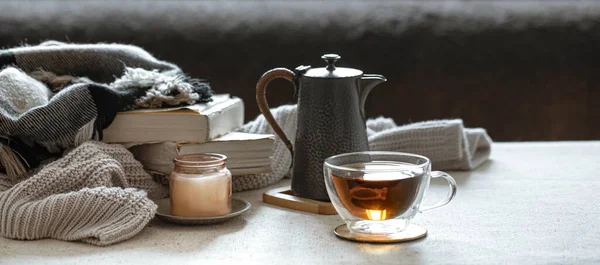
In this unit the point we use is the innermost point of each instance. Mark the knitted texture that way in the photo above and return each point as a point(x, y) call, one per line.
point(97, 193)
point(447, 143)
point(286, 118)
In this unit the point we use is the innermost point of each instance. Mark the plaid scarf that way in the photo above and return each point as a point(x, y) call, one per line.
point(55, 96)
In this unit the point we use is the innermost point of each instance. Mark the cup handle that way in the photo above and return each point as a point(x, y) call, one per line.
point(263, 106)
point(451, 194)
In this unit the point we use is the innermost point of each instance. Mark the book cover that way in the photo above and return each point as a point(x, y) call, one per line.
point(195, 123)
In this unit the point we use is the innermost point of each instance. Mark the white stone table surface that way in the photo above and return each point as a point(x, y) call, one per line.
point(533, 203)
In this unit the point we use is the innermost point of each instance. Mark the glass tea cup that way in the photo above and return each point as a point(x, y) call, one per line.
point(379, 193)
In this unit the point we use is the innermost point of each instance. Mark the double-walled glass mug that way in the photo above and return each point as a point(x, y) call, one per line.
point(379, 193)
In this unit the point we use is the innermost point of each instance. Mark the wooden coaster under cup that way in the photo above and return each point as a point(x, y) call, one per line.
point(412, 232)
point(284, 197)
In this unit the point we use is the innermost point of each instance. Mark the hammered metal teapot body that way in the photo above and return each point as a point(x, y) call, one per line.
point(331, 119)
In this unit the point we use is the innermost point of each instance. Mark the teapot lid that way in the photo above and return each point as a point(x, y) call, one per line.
point(331, 71)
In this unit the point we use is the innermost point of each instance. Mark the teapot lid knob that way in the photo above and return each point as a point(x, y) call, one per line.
point(331, 59)
point(331, 71)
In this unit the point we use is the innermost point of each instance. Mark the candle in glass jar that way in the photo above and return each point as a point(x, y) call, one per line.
point(200, 186)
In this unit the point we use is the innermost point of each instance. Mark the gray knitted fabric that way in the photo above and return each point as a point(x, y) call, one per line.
point(448, 144)
point(97, 193)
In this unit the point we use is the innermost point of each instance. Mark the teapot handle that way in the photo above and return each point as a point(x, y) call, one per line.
point(263, 106)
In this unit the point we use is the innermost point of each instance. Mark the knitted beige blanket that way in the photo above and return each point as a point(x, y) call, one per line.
point(97, 193)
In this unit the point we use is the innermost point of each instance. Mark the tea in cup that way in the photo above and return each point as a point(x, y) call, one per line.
point(379, 193)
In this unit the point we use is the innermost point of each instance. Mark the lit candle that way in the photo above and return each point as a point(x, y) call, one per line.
point(200, 186)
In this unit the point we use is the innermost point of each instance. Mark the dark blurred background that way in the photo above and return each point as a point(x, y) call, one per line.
point(524, 70)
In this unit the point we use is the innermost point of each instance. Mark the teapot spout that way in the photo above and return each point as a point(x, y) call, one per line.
point(367, 82)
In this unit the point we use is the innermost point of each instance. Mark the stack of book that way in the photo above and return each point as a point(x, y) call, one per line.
point(157, 136)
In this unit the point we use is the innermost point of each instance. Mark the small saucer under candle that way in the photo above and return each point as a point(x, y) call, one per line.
point(238, 207)
point(412, 232)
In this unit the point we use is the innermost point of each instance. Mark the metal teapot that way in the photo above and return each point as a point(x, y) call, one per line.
point(331, 118)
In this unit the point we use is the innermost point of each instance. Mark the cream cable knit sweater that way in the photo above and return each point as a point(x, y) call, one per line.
point(447, 143)
point(96, 193)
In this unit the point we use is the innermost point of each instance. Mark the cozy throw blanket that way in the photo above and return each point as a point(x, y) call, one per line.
point(56, 96)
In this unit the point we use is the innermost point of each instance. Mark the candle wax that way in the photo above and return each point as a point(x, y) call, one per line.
point(205, 195)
